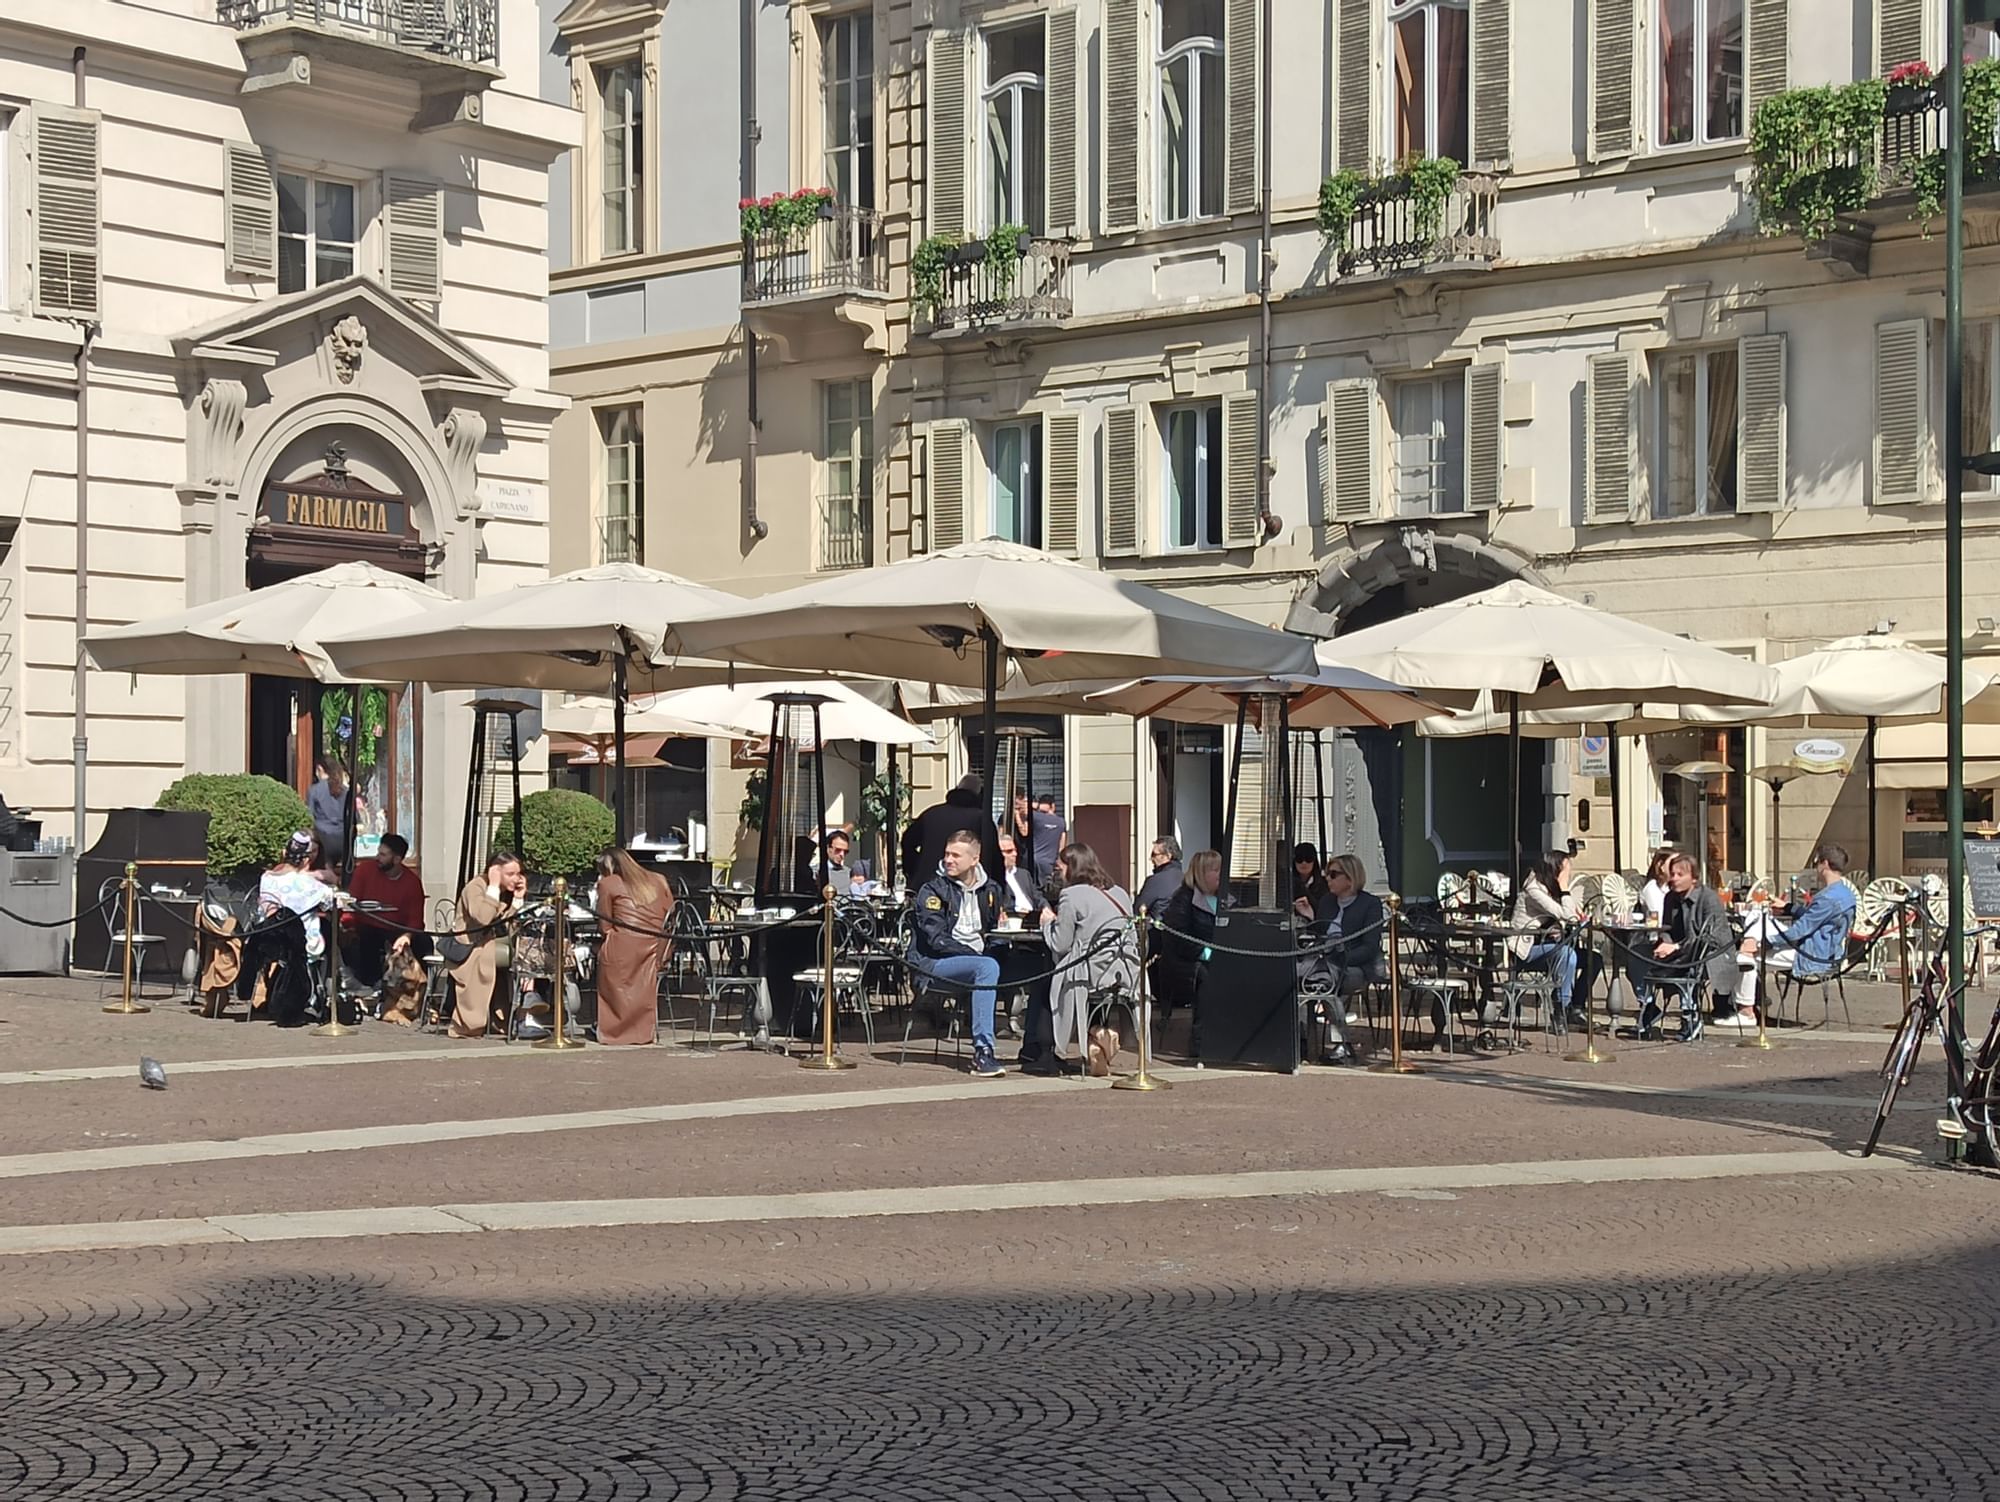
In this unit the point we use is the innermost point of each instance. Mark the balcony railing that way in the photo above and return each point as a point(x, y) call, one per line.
point(977, 293)
point(844, 252)
point(844, 531)
point(1394, 230)
point(621, 539)
point(468, 30)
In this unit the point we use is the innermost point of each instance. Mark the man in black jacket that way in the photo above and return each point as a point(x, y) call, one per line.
point(949, 923)
point(964, 807)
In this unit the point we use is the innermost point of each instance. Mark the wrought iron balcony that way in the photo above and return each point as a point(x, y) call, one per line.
point(464, 31)
point(979, 294)
point(843, 253)
point(1393, 230)
point(845, 531)
point(621, 539)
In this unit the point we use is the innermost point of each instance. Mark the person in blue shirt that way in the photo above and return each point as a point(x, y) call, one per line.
point(1812, 944)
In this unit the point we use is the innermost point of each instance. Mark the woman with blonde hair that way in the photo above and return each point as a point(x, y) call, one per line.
point(635, 905)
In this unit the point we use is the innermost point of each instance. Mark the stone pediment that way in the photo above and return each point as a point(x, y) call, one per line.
point(342, 324)
point(583, 15)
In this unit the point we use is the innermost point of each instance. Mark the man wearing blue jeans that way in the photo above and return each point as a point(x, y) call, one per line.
point(954, 912)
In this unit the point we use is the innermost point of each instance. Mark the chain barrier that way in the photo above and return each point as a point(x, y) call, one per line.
point(70, 922)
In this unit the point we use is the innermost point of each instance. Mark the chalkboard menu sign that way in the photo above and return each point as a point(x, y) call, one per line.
point(1982, 869)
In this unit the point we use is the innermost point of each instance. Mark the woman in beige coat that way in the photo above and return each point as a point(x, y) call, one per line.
point(483, 905)
point(1087, 915)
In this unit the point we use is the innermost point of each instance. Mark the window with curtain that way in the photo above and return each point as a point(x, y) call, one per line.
point(848, 473)
point(1430, 79)
point(621, 512)
point(1979, 402)
point(1429, 476)
point(1700, 72)
point(847, 90)
point(1192, 138)
point(1012, 96)
point(1016, 504)
point(621, 151)
point(1696, 394)
point(1194, 476)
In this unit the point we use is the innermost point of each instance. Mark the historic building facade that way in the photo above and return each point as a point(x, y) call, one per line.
point(303, 243)
point(1316, 313)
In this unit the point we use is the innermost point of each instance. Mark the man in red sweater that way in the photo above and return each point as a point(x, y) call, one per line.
point(387, 881)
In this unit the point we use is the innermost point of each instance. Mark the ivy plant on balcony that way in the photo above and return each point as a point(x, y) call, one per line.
point(1426, 180)
point(786, 214)
point(1816, 151)
point(928, 262)
point(1001, 250)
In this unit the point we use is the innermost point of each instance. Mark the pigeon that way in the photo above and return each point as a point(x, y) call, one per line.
point(151, 1074)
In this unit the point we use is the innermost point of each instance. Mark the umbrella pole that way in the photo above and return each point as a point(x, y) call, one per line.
point(618, 818)
point(1617, 802)
point(894, 835)
point(989, 714)
point(1514, 791)
point(1778, 838)
point(1870, 867)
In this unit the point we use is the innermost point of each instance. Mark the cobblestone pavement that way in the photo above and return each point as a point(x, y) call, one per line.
point(1771, 1336)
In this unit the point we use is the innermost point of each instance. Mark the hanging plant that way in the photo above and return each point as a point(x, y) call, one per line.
point(1005, 245)
point(1814, 153)
point(928, 263)
point(1429, 181)
point(751, 810)
point(1339, 196)
point(1928, 179)
point(337, 719)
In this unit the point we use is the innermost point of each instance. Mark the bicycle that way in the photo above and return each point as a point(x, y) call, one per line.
point(1971, 1101)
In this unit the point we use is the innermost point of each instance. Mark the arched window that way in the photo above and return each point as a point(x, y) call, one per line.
point(1015, 77)
point(1192, 139)
point(1430, 79)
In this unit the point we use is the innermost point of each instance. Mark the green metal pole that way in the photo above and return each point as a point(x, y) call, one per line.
point(1954, 501)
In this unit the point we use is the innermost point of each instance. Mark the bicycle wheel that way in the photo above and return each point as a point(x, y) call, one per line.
point(1902, 1059)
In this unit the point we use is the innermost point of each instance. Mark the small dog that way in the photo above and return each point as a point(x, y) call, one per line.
point(402, 985)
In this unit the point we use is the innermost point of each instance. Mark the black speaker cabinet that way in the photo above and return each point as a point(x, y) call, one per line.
point(1250, 1001)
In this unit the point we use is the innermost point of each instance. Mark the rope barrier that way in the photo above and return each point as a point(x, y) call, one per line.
point(71, 921)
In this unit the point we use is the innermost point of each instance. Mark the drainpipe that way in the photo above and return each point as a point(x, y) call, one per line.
point(1265, 257)
point(757, 527)
point(80, 731)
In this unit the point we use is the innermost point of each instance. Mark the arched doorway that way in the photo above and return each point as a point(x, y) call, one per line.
point(1411, 806)
point(338, 494)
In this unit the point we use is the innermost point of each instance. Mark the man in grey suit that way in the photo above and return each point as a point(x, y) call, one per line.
point(1698, 939)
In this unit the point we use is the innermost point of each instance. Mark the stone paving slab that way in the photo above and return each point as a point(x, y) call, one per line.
point(1752, 1338)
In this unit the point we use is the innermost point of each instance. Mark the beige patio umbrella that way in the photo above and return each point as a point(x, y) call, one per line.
point(1329, 698)
point(954, 616)
point(277, 630)
point(1536, 650)
point(845, 714)
point(594, 630)
point(1853, 683)
point(592, 717)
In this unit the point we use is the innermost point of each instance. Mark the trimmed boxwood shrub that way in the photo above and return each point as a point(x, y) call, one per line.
point(562, 829)
point(249, 818)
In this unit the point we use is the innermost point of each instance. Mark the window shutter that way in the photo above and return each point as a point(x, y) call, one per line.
point(1899, 33)
point(1354, 85)
point(1121, 481)
point(948, 483)
point(1353, 451)
point(413, 220)
point(1061, 442)
point(67, 243)
point(1485, 444)
point(1059, 120)
point(1760, 438)
point(1492, 81)
point(1902, 411)
point(1242, 63)
point(1611, 439)
point(249, 213)
point(1768, 48)
point(1121, 116)
point(1613, 48)
point(1242, 526)
point(945, 129)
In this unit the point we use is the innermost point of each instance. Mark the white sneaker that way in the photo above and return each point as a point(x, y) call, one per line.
point(1741, 1019)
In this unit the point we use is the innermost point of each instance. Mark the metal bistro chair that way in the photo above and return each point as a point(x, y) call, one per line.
point(853, 951)
point(434, 1009)
point(111, 896)
point(1429, 991)
point(953, 1000)
point(1874, 928)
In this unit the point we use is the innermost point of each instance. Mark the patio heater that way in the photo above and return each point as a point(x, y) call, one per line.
point(791, 844)
point(496, 768)
point(1250, 999)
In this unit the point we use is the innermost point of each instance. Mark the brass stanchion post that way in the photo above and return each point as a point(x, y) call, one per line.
point(826, 1058)
point(125, 1004)
point(1397, 1063)
point(559, 1002)
point(333, 1027)
point(1145, 1079)
point(1590, 1053)
point(1763, 1039)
